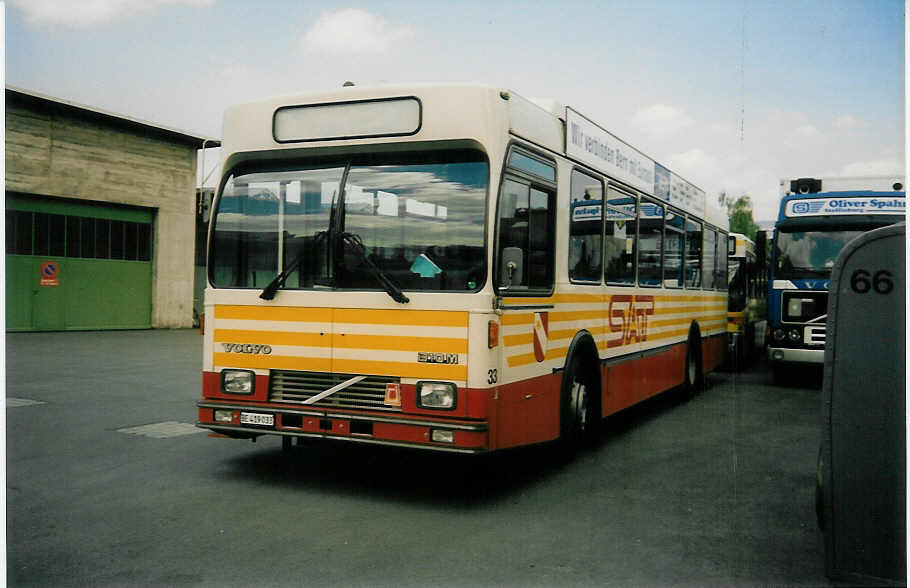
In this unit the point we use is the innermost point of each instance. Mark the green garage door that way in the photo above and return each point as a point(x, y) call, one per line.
point(74, 265)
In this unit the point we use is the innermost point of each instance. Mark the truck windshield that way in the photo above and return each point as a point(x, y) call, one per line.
point(803, 254)
point(420, 219)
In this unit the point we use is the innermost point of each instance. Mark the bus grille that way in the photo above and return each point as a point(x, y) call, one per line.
point(804, 306)
point(292, 387)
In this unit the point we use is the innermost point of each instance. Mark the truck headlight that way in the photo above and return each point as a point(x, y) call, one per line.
point(224, 416)
point(436, 395)
point(238, 381)
point(794, 335)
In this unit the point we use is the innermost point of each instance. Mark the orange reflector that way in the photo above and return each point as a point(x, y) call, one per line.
point(493, 334)
point(393, 394)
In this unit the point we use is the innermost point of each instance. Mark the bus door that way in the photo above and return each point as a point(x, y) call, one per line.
point(528, 407)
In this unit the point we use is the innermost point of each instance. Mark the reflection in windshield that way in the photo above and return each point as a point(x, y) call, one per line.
point(810, 253)
point(421, 223)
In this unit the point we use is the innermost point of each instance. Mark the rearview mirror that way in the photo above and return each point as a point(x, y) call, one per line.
point(511, 265)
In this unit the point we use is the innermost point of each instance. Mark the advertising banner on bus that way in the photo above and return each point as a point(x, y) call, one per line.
point(597, 147)
point(601, 150)
point(844, 206)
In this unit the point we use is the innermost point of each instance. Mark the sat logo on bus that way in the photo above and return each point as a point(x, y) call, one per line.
point(629, 316)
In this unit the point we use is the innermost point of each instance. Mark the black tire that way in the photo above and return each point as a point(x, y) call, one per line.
point(693, 375)
point(579, 412)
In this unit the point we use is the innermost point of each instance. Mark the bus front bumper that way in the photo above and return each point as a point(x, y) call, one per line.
point(790, 355)
point(392, 430)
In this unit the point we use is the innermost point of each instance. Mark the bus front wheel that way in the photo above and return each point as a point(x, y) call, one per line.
point(578, 405)
point(693, 379)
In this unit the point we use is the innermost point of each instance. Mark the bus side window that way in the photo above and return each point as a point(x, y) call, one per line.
point(709, 258)
point(693, 254)
point(540, 241)
point(585, 228)
point(650, 239)
point(525, 226)
point(720, 263)
point(674, 240)
point(621, 241)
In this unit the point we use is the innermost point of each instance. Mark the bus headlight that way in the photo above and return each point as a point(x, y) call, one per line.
point(238, 381)
point(794, 335)
point(779, 334)
point(436, 395)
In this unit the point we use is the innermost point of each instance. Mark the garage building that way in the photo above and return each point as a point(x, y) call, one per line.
point(100, 218)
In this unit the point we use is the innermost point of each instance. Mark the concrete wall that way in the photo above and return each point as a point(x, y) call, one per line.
point(54, 151)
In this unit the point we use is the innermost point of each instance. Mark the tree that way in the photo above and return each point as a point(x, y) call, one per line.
point(739, 212)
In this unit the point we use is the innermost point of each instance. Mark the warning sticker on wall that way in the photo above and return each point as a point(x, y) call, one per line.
point(49, 271)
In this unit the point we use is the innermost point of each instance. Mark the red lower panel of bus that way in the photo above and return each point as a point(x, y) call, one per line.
point(631, 382)
point(527, 412)
point(368, 428)
point(521, 413)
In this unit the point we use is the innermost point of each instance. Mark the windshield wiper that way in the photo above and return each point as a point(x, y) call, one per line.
point(391, 288)
point(278, 281)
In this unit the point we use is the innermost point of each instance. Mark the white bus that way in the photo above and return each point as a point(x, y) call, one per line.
point(449, 267)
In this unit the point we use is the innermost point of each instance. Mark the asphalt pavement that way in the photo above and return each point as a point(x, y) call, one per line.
point(110, 484)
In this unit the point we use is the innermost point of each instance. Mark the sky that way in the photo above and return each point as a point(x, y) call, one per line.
point(732, 95)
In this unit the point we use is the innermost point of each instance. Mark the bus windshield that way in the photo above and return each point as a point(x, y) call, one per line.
point(802, 254)
point(420, 219)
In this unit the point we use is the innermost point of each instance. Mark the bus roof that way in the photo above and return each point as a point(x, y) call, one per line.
point(466, 113)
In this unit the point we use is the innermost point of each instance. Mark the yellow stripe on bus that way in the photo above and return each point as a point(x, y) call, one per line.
point(272, 338)
point(283, 362)
point(510, 320)
point(577, 315)
point(405, 370)
point(528, 358)
point(432, 318)
point(419, 318)
point(516, 340)
point(273, 313)
point(347, 341)
point(401, 343)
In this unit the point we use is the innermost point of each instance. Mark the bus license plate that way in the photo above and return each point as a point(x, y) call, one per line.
point(253, 418)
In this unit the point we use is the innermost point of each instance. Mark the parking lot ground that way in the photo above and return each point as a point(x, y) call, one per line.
point(108, 484)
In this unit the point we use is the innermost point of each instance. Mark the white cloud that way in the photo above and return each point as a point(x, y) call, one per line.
point(877, 167)
point(847, 122)
point(806, 132)
point(351, 32)
point(89, 13)
point(695, 165)
point(661, 120)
